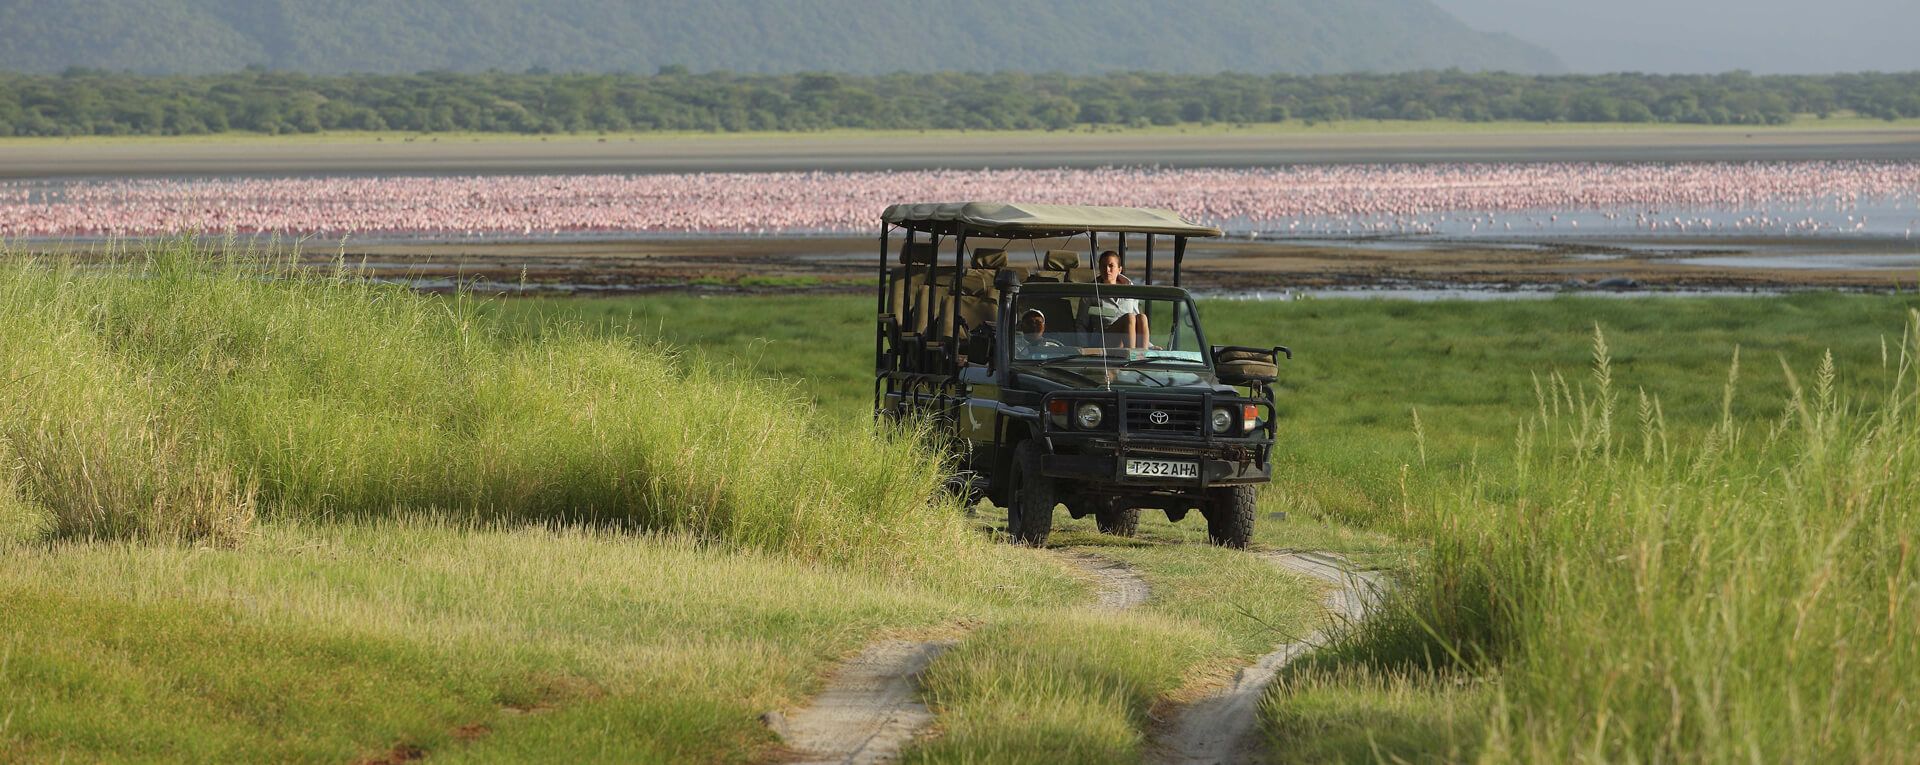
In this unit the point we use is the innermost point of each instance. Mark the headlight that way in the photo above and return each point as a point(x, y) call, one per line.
point(1222, 419)
point(1089, 415)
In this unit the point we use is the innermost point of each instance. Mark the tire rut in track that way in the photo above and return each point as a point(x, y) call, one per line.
point(1117, 587)
point(1218, 728)
point(871, 709)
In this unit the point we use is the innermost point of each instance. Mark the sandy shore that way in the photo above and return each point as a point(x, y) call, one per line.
point(466, 155)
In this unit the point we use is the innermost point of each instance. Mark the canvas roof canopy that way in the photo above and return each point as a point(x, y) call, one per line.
point(1031, 221)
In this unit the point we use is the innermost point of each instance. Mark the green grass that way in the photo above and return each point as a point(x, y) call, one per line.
point(330, 642)
point(1361, 370)
point(1353, 713)
point(315, 520)
point(399, 510)
point(1534, 582)
point(203, 397)
point(1640, 585)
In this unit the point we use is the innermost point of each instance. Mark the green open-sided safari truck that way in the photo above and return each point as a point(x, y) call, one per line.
point(1051, 388)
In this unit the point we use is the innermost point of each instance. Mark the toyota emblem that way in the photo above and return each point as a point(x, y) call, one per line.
point(1158, 417)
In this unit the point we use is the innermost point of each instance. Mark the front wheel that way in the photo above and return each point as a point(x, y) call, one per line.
point(1229, 511)
point(1030, 509)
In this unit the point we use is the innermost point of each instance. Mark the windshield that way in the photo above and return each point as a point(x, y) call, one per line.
point(1138, 332)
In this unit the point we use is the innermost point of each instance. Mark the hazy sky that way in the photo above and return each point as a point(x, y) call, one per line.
point(1762, 36)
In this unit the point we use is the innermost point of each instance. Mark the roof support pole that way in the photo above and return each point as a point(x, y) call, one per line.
point(923, 306)
point(907, 313)
point(1149, 258)
point(953, 300)
point(886, 290)
point(1179, 254)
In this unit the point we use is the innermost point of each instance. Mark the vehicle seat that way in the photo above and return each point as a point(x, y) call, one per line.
point(978, 298)
point(927, 289)
point(1064, 265)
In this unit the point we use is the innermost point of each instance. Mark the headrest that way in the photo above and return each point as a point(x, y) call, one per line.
point(989, 258)
point(917, 253)
point(977, 282)
point(1061, 260)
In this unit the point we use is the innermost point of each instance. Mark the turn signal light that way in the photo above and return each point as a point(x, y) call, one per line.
point(1249, 416)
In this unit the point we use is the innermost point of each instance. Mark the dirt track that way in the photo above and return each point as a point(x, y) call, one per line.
point(1219, 728)
point(870, 710)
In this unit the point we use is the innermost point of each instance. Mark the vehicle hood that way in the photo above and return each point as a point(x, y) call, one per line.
point(1048, 380)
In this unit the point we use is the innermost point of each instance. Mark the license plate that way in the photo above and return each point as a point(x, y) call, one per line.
point(1163, 469)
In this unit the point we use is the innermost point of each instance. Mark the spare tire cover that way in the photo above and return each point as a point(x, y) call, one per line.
point(1247, 369)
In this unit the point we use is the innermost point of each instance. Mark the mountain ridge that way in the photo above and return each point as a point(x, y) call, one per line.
point(753, 36)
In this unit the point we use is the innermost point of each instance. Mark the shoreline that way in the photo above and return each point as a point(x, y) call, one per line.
point(784, 265)
point(466, 154)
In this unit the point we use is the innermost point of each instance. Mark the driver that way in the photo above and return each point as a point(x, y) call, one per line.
point(1032, 327)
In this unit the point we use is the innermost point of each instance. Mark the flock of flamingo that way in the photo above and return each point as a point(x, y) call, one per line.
point(1757, 198)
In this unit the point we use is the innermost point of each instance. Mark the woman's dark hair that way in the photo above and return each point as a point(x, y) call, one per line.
point(1097, 262)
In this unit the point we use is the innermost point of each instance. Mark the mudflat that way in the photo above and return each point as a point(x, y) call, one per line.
point(643, 154)
point(781, 264)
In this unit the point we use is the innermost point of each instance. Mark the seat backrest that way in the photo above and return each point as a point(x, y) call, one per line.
point(989, 258)
point(928, 289)
point(1061, 260)
point(979, 301)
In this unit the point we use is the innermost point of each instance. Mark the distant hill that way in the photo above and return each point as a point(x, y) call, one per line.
point(769, 36)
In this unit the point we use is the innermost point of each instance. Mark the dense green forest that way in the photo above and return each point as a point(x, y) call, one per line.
point(762, 36)
point(81, 102)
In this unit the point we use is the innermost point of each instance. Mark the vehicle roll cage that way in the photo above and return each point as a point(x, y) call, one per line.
point(918, 357)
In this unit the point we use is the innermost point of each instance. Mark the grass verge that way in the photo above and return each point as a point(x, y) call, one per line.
point(179, 400)
point(338, 642)
point(1634, 588)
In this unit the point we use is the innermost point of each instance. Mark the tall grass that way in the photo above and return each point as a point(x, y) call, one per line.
point(183, 394)
point(1742, 591)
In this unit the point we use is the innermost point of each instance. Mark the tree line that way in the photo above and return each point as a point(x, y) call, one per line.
point(89, 102)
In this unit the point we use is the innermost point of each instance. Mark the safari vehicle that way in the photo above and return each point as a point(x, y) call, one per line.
point(1011, 354)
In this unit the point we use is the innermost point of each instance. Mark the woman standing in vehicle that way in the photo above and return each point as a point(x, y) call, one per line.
point(1119, 317)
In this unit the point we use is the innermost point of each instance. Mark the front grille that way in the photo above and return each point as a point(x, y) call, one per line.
point(1182, 417)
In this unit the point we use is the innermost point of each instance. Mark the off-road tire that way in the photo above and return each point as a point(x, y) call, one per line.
point(1229, 511)
point(1030, 509)
point(1116, 519)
